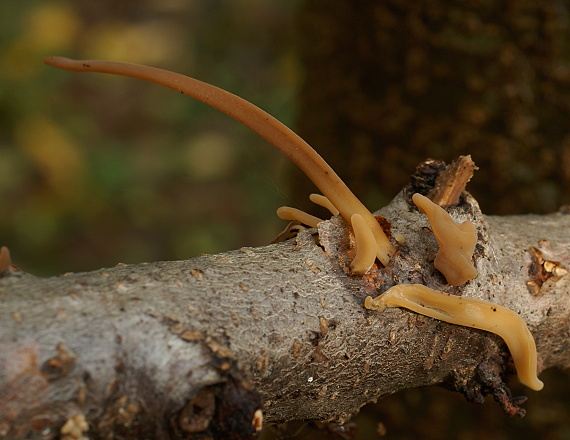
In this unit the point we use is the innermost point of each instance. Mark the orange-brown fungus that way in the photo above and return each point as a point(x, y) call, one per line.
point(5, 260)
point(276, 133)
point(468, 312)
point(288, 213)
point(456, 242)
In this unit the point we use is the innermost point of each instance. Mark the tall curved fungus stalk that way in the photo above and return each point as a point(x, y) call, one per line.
point(284, 139)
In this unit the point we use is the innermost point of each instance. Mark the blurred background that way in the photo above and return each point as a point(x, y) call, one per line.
point(97, 170)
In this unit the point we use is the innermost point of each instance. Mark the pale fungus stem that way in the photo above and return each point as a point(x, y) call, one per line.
point(468, 312)
point(288, 213)
point(276, 133)
point(321, 200)
point(364, 243)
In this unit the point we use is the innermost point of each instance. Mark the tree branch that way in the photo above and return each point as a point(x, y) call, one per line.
point(189, 348)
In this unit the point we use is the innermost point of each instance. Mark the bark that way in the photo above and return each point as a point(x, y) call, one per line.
point(191, 349)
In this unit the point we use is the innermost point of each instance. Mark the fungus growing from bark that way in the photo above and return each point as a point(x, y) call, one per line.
point(288, 213)
point(364, 243)
point(468, 312)
point(456, 242)
point(280, 136)
point(321, 200)
point(290, 231)
point(5, 260)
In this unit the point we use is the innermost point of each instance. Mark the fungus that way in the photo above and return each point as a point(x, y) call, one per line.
point(290, 231)
point(363, 236)
point(280, 136)
point(365, 245)
point(468, 312)
point(5, 260)
point(288, 213)
point(456, 242)
point(321, 200)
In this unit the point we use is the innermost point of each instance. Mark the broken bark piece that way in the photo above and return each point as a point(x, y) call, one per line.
point(451, 182)
point(290, 231)
point(544, 265)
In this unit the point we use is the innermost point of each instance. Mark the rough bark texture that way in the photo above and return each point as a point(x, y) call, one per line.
point(191, 349)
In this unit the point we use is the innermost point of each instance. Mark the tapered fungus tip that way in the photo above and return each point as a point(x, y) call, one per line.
point(55, 61)
point(66, 63)
point(321, 200)
point(337, 197)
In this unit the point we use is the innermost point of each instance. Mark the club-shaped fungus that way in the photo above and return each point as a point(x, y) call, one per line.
point(280, 136)
point(456, 242)
point(5, 260)
point(468, 312)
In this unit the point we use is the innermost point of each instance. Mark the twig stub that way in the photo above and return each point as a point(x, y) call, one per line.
point(451, 182)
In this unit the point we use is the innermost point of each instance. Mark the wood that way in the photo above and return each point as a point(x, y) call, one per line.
point(451, 182)
point(195, 347)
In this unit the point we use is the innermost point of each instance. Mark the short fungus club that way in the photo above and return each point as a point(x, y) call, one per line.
point(288, 213)
point(5, 260)
point(456, 242)
point(280, 136)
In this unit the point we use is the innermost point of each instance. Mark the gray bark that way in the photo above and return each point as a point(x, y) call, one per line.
point(184, 348)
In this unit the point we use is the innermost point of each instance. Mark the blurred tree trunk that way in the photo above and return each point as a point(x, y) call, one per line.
point(390, 83)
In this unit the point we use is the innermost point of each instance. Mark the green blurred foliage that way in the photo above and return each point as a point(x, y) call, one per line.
point(97, 170)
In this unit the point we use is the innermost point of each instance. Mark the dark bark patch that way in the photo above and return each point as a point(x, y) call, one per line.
point(59, 365)
point(487, 379)
point(230, 410)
